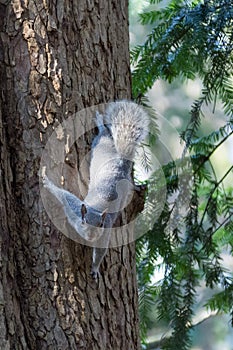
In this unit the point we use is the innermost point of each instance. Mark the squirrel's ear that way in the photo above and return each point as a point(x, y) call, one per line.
point(83, 213)
point(103, 216)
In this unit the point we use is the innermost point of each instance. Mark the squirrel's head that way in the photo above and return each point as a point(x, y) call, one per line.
point(93, 222)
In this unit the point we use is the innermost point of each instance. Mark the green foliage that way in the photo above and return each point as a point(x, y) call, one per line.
point(223, 301)
point(189, 39)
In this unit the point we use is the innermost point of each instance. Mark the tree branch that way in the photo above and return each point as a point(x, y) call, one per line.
point(157, 344)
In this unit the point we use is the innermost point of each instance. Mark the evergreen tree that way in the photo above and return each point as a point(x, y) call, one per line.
point(189, 39)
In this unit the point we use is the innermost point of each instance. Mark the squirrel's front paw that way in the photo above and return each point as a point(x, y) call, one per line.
point(45, 181)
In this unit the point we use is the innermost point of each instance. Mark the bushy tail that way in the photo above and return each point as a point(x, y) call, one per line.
point(129, 125)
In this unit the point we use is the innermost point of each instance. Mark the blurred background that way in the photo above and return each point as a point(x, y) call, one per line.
point(172, 103)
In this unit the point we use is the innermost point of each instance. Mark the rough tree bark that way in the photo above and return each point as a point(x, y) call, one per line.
point(57, 57)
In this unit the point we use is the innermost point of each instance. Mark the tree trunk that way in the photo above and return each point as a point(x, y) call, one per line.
point(56, 59)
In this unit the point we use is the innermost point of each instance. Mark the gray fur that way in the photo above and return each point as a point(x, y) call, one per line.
point(111, 182)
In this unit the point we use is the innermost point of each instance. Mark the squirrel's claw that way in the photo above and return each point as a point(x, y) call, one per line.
point(95, 274)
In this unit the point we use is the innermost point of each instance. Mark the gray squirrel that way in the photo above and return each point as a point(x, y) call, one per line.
point(122, 128)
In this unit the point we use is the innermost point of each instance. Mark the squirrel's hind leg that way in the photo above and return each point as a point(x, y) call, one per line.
point(97, 257)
